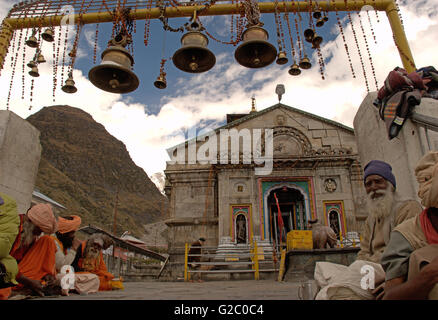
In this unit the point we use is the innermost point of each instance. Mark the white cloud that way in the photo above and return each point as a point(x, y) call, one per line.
point(228, 87)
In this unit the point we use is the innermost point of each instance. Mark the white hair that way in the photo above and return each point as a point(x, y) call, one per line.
point(381, 207)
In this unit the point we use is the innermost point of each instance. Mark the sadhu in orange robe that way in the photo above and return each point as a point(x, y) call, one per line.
point(96, 266)
point(34, 262)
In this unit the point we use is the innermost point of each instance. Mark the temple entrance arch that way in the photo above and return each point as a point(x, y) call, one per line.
point(335, 222)
point(293, 212)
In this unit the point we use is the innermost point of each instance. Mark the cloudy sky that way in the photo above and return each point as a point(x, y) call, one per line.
point(150, 120)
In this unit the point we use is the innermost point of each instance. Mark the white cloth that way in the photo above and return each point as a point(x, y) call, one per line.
point(339, 282)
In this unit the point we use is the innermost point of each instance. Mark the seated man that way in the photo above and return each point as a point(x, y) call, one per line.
point(411, 258)
point(89, 258)
point(9, 226)
point(386, 210)
point(66, 247)
point(35, 256)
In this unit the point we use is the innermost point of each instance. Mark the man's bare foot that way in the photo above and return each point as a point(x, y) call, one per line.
point(64, 292)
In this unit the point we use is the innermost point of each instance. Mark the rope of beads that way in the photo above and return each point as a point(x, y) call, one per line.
point(298, 33)
point(368, 49)
point(147, 24)
point(399, 13)
point(357, 45)
point(280, 31)
point(286, 17)
point(403, 54)
point(375, 10)
point(343, 39)
point(371, 25)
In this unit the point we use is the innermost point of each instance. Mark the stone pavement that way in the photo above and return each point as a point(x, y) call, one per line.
point(208, 290)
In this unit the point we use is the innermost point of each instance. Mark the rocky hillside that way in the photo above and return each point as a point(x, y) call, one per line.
point(84, 168)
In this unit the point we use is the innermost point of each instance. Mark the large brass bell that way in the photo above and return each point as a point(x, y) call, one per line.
point(47, 35)
point(255, 51)
point(41, 58)
point(32, 41)
point(281, 58)
point(69, 86)
point(161, 83)
point(320, 22)
point(317, 40)
point(34, 72)
point(317, 14)
point(114, 73)
point(305, 63)
point(308, 34)
point(194, 56)
point(32, 64)
point(294, 70)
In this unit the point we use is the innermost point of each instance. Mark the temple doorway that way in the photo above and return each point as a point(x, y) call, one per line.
point(241, 229)
point(334, 222)
point(293, 214)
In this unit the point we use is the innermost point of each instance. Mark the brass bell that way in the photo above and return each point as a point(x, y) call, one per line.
point(317, 14)
point(32, 64)
point(281, 58)
point(47, 35)
point(114, 73)
point(193, 56)
point(305, 63)
point(255, 51)
point(320, 22)
point(294, 70)
point(308, 34)
point(161, 83)
point(317, 40)
point(34, 72)
point(69, 86)
point(41, 58)
point(32, 41)
point(325, 18)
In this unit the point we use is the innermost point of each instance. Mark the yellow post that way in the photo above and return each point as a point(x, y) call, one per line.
point(340, 240)
point(6, 33)
point(400, 39)
point(354, 242)
point(282, 264)
point(186, 260)
point(256, 261)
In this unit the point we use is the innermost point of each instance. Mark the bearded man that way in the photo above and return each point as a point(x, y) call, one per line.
point(411, 258)
point(66, 247)
point(35, 255)
point(386, 211)
point(89, 258)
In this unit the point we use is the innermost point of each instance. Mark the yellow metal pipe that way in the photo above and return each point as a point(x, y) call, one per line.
point(186, 260)
point(400, 39)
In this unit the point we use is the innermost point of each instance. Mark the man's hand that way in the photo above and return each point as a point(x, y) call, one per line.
point(34, 285)
point(379, 292)
point(431, 270)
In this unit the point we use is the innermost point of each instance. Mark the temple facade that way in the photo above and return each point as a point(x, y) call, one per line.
point(229, 185)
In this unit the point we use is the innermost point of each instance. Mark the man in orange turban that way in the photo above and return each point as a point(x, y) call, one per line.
point(35, 255)
point(66, 246)
point(411, 257)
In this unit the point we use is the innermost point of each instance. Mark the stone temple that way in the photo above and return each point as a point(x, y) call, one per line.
point(228, 195)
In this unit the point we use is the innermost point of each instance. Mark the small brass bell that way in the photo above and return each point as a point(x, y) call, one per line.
point(320, 22)
point(41, 58)
point(317, 40)
point(325, 18)
point(317, 14)
point(34, 72)
point(47, 35)
point(294, 70)
point(308, 34)
point(194, 56)
point(255, 51)
point(305, 63)
point(72, 53)
point(114, 73)
point(281, 58)
point(69, 86)
point(32, 64)
point(161, 83)
point(32, 42)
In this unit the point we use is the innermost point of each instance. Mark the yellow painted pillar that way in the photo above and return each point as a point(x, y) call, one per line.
point(256, 261)
point(186, 260)
point(6, 33)
point(400, 39)
point(282, 264)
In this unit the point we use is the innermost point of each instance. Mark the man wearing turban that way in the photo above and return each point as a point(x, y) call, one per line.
point(35, 255)
point(66, 247)
point(411, 257)
point(386, 210)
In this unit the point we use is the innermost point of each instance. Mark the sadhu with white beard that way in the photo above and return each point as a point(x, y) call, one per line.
point(411, 257)
point(386, 210)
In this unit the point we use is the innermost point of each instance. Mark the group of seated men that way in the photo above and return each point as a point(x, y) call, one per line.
point(41, 255)
point(399, 242)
